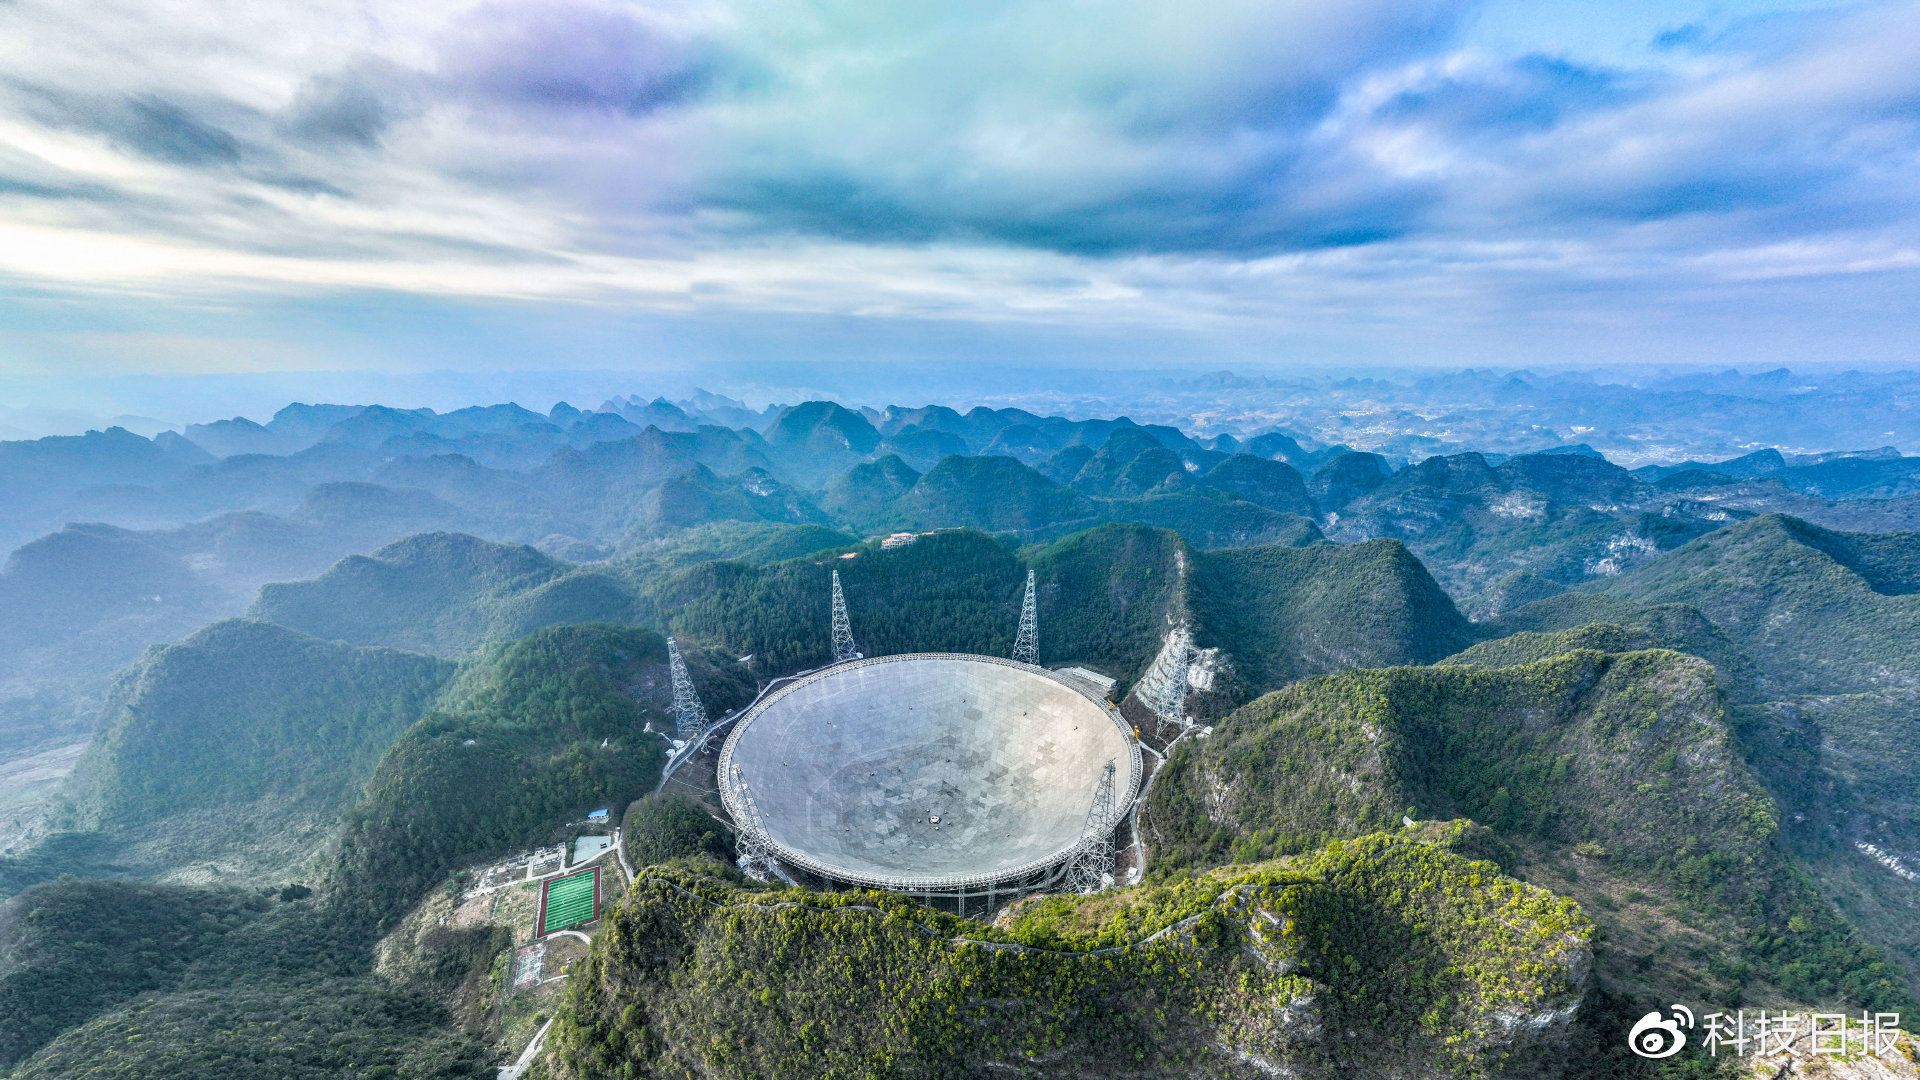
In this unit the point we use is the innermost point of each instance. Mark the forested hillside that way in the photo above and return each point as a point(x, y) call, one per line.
point(1108, 597)
point(79, 604)
point(1563, 518)
point(235, 751)
point(1807, 628)
point(62, 962)
point(448, 594)
point(244, 710)
point(1285, 613)
point(1369, 958)
point(754, 542)
point(444, 594)
point(190, 531)
point(1819, 611)
point(1601, 770)
point(525, 737)
point(233, 1023)
point(528, 735)
point(956, 590)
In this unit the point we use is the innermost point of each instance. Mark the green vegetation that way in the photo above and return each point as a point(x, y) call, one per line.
point(453, 962)
point(816, 439)
point(1208, 519)
point(1518, 589)
point(1628, 753)
point(1278, 613)
point(757, 542)
point(1672, 626)
point(605, 487)
point(1416, 951)
point(1272, 484)
point(997, 494)
point(230, 753)
point(697, 497)
point(1521, 529)
point(247, 712)
point(70, 950)
point(1286, 613)
point(1242, 501)
point(69, 582)
point(1106, 597)
point(1291, 906)
point(1527, 646)
point(670, 825)
point(1819, 611)
point(1131, 462)
point(955, 591)
point(1288, 922)
point(449, 594)
point(320, 1029)
point(1809, 629)
point(444, 594)
point(1781, 607)
point(1840, 758)
point(555, 728)
point(54, 855)
point(529, 734)
point(866, 493)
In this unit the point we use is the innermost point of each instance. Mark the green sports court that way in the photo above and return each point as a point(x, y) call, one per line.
point(570, 901)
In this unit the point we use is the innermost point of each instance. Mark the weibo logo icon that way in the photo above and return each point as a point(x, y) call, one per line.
point(1657, 1036)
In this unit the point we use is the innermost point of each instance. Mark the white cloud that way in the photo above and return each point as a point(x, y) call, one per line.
point(1098, 161)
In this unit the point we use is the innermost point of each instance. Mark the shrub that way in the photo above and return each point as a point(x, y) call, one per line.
point(669, 825)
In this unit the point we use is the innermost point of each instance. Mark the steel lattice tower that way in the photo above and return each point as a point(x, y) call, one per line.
point(1026, 644)
point(1177, 693)
point(1092, 869)
point(689, 716)
point(843, 647)
point(751, 853)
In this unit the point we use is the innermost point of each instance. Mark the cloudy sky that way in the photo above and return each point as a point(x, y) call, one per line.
point(249, 185)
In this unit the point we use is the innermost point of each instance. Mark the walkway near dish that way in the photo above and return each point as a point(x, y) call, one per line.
point(1132, 863)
